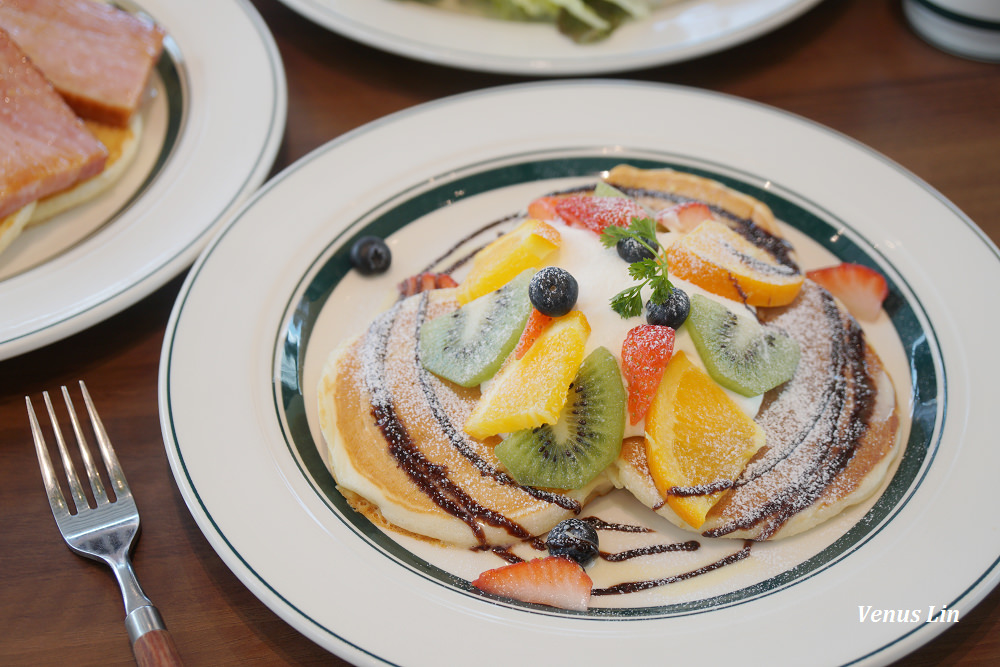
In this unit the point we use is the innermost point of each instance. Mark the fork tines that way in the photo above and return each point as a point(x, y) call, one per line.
point(115, 474)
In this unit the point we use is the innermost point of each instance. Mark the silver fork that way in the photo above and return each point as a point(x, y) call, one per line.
point(105, 532)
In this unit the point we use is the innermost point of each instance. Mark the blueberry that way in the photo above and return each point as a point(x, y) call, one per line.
point(631, 250)
point(370, 255)
point(672, 312)
point(575, 539)
point(553, 291)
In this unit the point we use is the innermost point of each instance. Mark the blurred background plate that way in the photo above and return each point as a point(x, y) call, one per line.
point(677, 32)
point(211, 132)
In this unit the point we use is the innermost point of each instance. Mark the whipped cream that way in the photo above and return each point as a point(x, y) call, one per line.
point(601, 274)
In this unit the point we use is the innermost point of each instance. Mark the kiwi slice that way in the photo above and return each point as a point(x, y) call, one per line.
point(585, 440)
point(603, 189)
point(739, 352)
point(468, 345)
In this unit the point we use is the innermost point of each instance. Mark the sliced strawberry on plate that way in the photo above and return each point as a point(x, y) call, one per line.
point(536, 324)
point(544, 208)
point(861, 289)
point(588, 211)
point(684, 217)
point(423, 282)
point(645, 352)
point(554, 580)
point(597, 213)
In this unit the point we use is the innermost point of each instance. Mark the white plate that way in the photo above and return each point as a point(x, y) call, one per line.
point(267, 301)
point(669, 34)
point(211, 131)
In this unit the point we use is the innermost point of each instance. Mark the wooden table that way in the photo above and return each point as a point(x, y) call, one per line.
point(852, 65)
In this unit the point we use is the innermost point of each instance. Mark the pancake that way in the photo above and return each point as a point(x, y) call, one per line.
point(122, 144)
point(44, 146)
point(831, 433)
point(75, 74)
point(12, 225)
point(666, 182)
point(397, 450)
point(396, 447)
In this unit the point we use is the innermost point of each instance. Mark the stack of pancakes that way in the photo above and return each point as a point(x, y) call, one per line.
point(399, 455)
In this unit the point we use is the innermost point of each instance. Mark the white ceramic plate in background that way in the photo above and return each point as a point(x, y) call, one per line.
point(266, 302)
point(674, 33)
point(212, 129)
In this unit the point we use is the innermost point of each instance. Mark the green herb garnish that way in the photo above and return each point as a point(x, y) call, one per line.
point(653, 272)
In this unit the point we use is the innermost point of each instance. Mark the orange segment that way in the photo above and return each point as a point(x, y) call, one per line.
point(524, 247)
point(696, 434)
point(532, 390)
point(720, 260)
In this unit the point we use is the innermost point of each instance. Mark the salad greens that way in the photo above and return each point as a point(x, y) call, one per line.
point(583, 21)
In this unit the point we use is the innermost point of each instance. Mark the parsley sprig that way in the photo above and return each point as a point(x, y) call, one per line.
point(652, 272)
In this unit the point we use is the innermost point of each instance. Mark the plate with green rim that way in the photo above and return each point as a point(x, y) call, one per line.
point(342, 581)
point(195, 165)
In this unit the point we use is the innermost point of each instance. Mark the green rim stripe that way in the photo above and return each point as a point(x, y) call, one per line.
point(964, 19)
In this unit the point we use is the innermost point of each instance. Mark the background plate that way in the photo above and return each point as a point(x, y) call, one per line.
point(211, 133)
point(278, 529)
point(674, 33)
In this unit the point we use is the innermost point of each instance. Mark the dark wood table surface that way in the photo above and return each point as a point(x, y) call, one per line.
point(852, 65)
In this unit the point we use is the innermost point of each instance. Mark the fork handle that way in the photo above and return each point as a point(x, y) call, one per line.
point(152, 644)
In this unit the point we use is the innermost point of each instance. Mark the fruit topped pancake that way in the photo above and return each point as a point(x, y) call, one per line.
point(397, 445)
point(653, 333)
point(830, 437)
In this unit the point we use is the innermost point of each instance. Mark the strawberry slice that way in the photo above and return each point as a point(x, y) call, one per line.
point(861, 289)
point(536, 324)
point(544, 208)
point(588, 211)
point(423, 282)
point(553, 580)
point(645, 352)
point(682, 218)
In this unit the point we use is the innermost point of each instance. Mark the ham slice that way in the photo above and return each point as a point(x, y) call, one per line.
point(44, 146)
point(97, 56)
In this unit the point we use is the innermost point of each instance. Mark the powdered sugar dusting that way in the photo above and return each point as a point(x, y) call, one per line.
point(813, 423)
point(373, 356)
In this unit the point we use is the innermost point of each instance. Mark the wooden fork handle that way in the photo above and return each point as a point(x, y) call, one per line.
point(156, 648)
point(152, 644)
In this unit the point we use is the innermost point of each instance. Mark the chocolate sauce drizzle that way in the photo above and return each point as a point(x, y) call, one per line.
point(617, 557)
point(621, 556)
point(432, 479)
point(458, 263)
point(600, 524)
point(840, 419)
point(777, 247)
point(646, 584)
point(457, 438)
point(506, 554)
